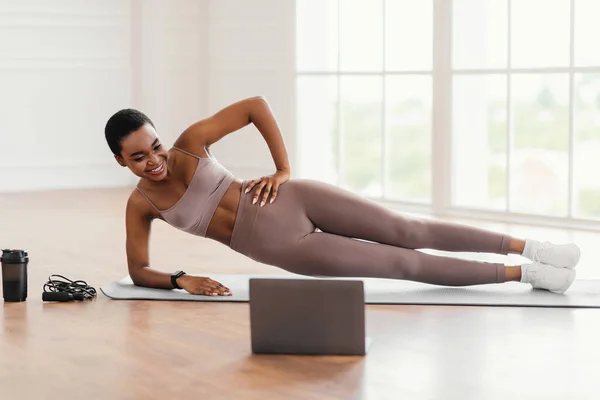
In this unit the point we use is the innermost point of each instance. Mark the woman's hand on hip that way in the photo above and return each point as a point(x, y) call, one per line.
point(270, 184)
point(203, 286)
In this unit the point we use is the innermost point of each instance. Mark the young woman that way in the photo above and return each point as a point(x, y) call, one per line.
point(303, 226)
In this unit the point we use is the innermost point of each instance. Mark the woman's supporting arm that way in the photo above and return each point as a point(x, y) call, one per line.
point(137, 225)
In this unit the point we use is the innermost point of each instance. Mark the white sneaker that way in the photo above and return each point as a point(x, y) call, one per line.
point(542, 276)
point(558, 255)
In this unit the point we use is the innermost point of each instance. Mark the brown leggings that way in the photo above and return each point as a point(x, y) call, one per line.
point(284, 234)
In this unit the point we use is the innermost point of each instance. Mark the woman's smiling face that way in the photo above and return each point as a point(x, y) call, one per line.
point(143, 153)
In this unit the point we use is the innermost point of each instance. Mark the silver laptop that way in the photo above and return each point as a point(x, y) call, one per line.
point(307, 316)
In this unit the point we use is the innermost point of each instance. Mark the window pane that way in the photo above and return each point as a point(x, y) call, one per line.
point(479, 141)
point(409, 34)
point(539, 153)
point(408, 134)
point(361, 35)
point(540, 34)
point(361, 114)
point(317, 111)
point(586, 155)
point(316, 35)
point(587, 31)
point(480, 32)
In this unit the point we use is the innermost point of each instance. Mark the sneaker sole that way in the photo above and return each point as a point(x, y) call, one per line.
point(567, 286)
point(572, 266)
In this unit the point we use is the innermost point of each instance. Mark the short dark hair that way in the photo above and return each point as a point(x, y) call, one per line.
point(121, 124)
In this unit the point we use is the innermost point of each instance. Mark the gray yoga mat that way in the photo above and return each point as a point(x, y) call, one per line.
point(583, 293)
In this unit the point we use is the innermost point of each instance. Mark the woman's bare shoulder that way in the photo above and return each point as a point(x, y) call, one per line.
point(139, 207)
point(191, 144)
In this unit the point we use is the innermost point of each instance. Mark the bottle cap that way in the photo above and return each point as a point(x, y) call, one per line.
point(14, 256)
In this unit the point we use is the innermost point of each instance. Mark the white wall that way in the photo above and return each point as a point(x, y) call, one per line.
point(67, 65)
point(64, 65)
point(252, 52)
point(171, 64)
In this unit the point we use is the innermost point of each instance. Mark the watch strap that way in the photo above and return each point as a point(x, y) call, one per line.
point(174, 277)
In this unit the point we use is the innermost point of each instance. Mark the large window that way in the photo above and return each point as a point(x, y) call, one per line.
point(505, 93)
point(364, 95)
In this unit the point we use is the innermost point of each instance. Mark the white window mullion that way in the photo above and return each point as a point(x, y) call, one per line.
point(441, 112)
point(508, 105)
point(384, 171)
point(571, 107)
point(340, 147)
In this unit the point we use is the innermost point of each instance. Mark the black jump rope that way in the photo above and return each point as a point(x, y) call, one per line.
point(59, 288)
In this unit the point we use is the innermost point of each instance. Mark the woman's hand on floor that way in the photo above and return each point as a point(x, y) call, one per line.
point(203, 286)
point(270, 184)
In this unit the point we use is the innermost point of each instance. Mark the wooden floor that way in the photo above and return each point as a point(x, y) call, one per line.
point(106, 349)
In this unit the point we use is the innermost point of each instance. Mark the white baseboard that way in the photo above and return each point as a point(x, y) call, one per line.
point(58, 177)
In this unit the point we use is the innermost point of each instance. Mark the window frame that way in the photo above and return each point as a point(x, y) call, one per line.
point(442, 74)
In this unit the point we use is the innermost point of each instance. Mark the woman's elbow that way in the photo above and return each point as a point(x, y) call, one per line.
point(259, 98)
point(259, 101)
point(136, 277)
point(136, 280)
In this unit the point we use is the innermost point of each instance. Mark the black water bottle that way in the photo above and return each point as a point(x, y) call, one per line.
point(14, 274)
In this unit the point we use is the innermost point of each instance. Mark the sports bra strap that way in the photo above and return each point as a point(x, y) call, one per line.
point(147, 198)
point(187, 152)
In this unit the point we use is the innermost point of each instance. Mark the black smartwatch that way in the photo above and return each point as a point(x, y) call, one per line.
point(174, 277)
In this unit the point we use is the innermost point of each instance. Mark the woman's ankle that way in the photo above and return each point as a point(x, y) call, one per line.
point(516, 246)
point(513, 273)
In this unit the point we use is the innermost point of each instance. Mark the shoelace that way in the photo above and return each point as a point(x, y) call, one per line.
point(542, 252)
